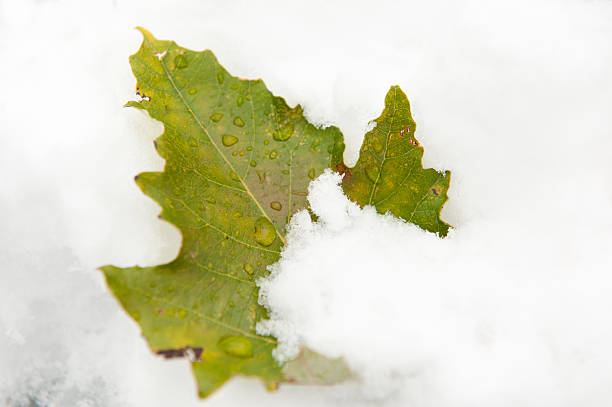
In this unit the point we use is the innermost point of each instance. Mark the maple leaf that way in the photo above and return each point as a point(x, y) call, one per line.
point(238, 161)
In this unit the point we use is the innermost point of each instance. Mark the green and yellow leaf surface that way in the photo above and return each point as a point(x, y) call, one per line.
point(238, 161)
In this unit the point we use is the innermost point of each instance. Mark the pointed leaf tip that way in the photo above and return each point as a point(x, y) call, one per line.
point(146, 33)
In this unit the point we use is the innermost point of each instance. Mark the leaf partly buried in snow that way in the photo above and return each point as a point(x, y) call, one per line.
point(238, 164)
point(389, 174)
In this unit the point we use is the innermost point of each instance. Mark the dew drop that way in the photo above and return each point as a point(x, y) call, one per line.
point(266, 142)
point(273, 154)
point(311, 173)
point(249, 148)
point(372, 172)
point(264, 233)
point(180, 61)
point(229, 140)
point(215, 117)
point(238, 121)
point(378, 147)
point(241, 153)
point(248, 268)
point(240, 101)
point(314, 147)
point(193, 91)
point(220, 78)
point(253, 163)
point(276, 205)
point(235, 153)
point(262, 176)
point(234, 176)
point(284, 133)
point(238, 346)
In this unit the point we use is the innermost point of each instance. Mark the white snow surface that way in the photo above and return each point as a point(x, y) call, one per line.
point(512, 96)
point(456, 321)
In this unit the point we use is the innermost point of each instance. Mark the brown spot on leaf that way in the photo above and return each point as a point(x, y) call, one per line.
point(413, 142)
point(347, 172)
point(194, 354)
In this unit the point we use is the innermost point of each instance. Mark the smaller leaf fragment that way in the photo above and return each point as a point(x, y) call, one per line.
point(389, 174)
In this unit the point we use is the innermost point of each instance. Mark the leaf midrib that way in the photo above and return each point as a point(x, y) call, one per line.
point(205, 130)
point(373, 191)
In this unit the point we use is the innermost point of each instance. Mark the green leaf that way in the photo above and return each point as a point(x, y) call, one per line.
point(389, 174)
point(238, 164)
point(238, 161)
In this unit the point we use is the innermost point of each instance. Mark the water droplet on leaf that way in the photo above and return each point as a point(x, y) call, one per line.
point(372, 172)
point(248, 268)
point(264, 233)
point(220, 78)
point(215, 117)
point(276, 205)
point(238, 121)
point(238, 346)
point(378, 147)
point(284, 133)
point(240, 101)
point(273, 154)
point(314, 147)
point(180, 61)
point(311, 173)
point(229, 140)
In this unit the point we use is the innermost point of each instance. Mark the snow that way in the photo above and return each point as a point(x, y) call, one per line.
point(511, 96)
point(514, 323)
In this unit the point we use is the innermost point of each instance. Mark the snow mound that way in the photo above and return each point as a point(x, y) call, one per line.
point(415, 314)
